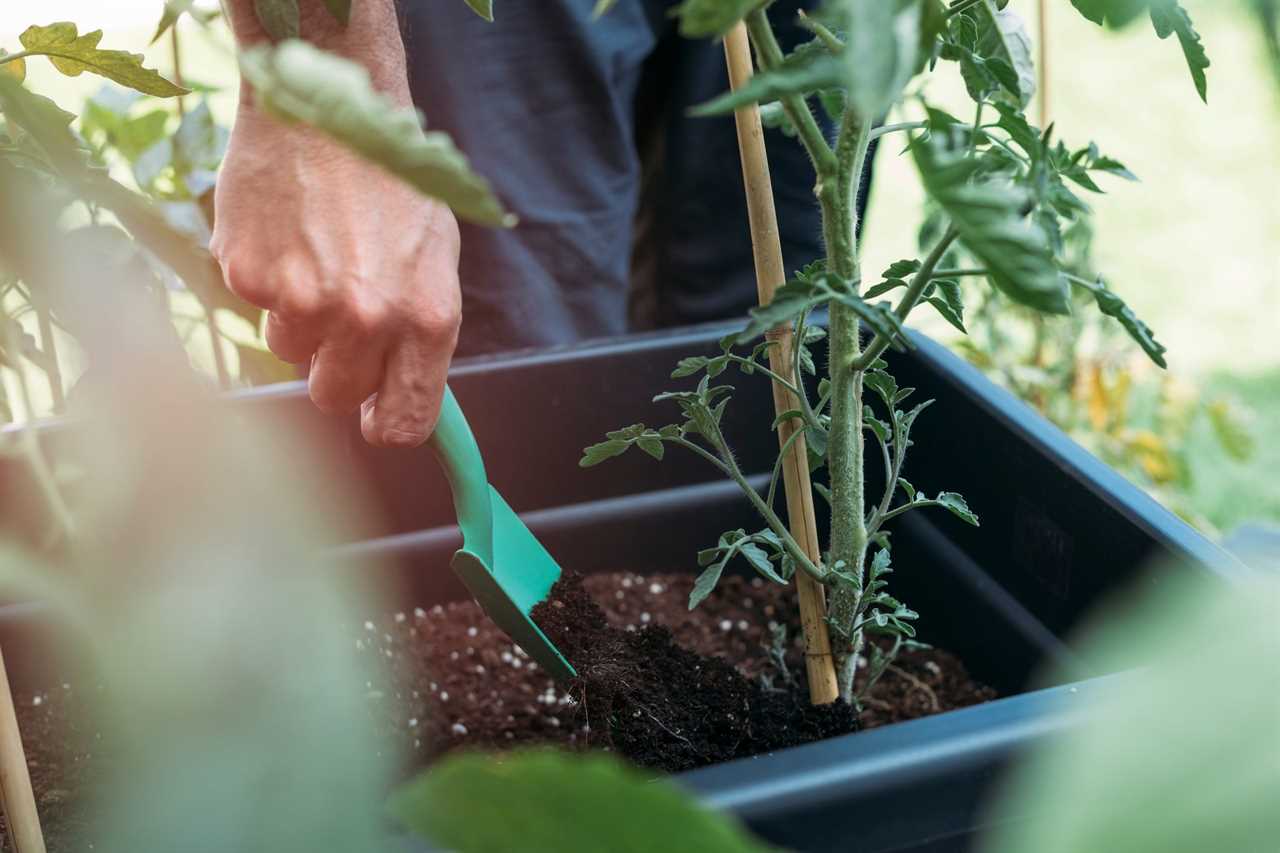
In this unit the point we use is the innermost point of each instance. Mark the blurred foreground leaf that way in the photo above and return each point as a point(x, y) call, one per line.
point(300, 83)
point(551, 801)
point(1183, 754)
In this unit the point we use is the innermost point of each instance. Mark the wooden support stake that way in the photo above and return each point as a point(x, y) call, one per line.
point(16, 797)
point(770, 274)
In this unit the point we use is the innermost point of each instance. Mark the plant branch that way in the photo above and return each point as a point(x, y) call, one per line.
point(891, 470)
point(873, 675)
point(886, 129)
point(906, 507)
point(819, 29)
point(730, 467)
point(977, 128)
point(851, 156)
point(962, 6)
point(777, 465)
point(959, 273)
point(14, 57)
point(995, 140)
point(769, 56)
point(775, 376)
point(801, 394)
point(704, 453)
point(915, 291)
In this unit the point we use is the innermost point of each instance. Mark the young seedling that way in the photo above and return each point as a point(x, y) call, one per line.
point(1001, 192)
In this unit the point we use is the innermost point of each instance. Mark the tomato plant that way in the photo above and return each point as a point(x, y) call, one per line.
point(1001, 194)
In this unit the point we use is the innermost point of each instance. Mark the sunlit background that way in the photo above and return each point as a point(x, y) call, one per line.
point(1194, 247)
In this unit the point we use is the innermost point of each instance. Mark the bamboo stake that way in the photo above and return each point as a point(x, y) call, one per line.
point(770, 273)
point(16, 796)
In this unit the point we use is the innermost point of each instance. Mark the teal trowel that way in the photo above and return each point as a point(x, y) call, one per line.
point(505, 567)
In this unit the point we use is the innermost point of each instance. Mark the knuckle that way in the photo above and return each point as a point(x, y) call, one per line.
point(365, 315)
point(293, 300)
point(439, 320)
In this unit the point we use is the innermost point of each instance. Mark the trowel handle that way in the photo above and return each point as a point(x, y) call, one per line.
point(456, 449)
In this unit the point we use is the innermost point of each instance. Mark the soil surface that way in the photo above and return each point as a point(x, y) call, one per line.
point(667, 687)
point(649, 675)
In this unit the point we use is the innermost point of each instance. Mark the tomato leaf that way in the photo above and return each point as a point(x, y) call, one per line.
point(711, 18)
point(483, 8)
point(991, 220)
point(1169, 18)
point(73, 54)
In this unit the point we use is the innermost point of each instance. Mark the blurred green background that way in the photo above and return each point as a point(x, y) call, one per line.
point(1194, 247)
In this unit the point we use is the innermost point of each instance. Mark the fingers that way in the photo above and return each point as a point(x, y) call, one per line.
point(344, 375)
point(407, 405)
point(297, 315)
point(294, 341)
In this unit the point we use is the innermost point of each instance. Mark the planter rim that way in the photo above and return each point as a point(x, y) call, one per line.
point(897, 755)
point(1121, 495)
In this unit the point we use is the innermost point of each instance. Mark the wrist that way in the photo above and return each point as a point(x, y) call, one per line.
point(371, 38)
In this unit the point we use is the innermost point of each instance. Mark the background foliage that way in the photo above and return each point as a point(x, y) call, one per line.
point(1212, 307)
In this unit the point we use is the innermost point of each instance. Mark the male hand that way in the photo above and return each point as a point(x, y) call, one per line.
point(359, 273)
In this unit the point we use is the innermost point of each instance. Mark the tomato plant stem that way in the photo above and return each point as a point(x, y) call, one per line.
point(845, 447)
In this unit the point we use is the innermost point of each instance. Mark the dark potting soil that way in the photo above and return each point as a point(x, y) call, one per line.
point(61, 753)
point(666, 687)
point(665, 706)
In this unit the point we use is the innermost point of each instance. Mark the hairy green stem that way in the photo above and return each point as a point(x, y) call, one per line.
point(959, 273)
point(907, 507)
point(777, 466)
point(845, 445)
point(776, 377)
point(819, 29)
point(851, 158)
point(797, 342)
point(14, 57)
point(879, 668)
point(886, 129)
point(915, 291)
point(892, 469)
point(769, 55)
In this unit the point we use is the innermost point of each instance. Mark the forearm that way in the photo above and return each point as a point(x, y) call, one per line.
point(371, 37)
